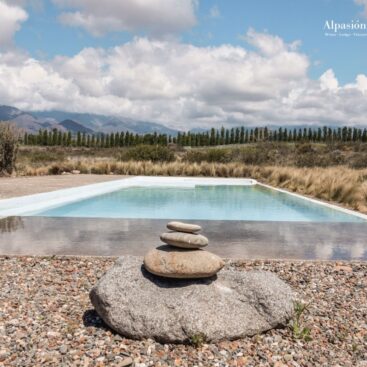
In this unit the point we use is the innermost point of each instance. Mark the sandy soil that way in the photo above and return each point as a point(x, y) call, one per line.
point(19, 186)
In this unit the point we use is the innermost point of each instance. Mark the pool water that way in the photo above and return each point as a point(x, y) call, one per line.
point(220, 202)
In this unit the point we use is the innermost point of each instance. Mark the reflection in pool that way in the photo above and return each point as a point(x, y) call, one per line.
point(229, 239)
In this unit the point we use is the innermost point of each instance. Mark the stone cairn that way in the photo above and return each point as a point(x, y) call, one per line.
point(182, 257)
point(172, 306)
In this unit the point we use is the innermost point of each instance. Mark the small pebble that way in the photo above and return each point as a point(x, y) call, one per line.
point(63, 349)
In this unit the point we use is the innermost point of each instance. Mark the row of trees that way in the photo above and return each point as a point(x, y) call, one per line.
point(213, 137)
point(119, 139)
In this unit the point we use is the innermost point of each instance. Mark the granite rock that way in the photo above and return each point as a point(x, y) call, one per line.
point(232, 305)
point(171, 262)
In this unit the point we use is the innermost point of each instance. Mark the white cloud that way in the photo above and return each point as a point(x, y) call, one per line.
point(157, 17)
point(11, 17)
point(266, 43)
point(329, 81)
point(186, 86)
point(214, 12)
point(361, 82)
point(364, 4)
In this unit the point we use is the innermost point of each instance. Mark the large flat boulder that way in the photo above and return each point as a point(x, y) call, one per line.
point(231, 305)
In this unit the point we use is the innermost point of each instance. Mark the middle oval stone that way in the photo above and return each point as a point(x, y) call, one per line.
point(184, 240)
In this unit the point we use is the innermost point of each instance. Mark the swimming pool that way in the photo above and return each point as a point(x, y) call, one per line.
point(200, 202)
point(241, 218)
point(184, 198)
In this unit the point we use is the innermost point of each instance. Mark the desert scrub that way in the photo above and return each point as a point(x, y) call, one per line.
point(153, 153)
point(41, 156)
point(262, 153)
point(211, 155)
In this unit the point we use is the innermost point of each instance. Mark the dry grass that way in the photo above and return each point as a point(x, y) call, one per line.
point(342, 185)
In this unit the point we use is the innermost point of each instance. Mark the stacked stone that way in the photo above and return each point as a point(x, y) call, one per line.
point(182, 257)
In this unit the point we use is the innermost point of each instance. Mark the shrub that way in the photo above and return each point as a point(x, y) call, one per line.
point(9, 141)
point(47, 156)
point(305, 148)
point(254, 155)
point(151, 153)
point(307, 160)
point(335, 158)
point(55, 170)
point(213, 155)
point(358, 160)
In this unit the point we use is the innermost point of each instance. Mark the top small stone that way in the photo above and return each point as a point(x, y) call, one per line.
point(183, 227)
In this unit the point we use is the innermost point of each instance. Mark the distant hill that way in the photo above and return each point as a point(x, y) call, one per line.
point(74, 127)
point(32, 122)
point(107, 124)
point(9, 113)
point(27, 121)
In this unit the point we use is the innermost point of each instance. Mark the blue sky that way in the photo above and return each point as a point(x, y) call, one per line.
point(187, 63)
point(45, 37)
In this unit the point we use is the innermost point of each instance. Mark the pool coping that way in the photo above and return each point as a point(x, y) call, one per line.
point(27, 204)
point(24, 205)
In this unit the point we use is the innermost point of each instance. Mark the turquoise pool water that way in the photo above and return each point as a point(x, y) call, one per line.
point(246, 203)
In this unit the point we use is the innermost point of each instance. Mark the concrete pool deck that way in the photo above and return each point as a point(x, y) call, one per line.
point(11, 187)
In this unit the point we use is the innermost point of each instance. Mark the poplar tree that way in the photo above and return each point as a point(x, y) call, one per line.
point(78, 139)
point(232, 136)
point(84, 141)
point(242, 135)
point(227, 140)
point(69, 138)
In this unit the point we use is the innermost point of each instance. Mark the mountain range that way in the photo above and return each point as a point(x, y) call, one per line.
point(88, 123)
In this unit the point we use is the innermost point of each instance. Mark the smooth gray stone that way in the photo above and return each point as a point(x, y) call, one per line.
point(171, 262)
point(184, 240)
point(183, 227)
point(232, 305)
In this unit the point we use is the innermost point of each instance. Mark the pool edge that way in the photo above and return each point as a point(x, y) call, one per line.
point(28, 204)
point(316, 201)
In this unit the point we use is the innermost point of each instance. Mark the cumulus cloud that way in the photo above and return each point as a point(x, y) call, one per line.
point(11, 17)
point(185, 86)
point(158, 17)
point(364, 4)
point(329, 81)
point(269, 44)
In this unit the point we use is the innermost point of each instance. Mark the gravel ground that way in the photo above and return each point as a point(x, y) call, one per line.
point(46, 319)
